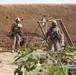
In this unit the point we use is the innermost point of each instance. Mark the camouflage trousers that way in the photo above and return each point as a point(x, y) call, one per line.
point(16, 42)
point(51, 43)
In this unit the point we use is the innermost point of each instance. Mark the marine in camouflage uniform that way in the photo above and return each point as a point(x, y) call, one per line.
point(53, 35)
point(16, 33)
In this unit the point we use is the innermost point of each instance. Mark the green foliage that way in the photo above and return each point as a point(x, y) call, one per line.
point(63, 69)
point(30, 64)
point(53, 70)
point(31, 60)
point(72, 72)
point(70, 49)
point(18, 72)
point(31, 73)
point(24, 52)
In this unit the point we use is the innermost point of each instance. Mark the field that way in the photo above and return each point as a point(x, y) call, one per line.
point(30, 14)
point(6, 66)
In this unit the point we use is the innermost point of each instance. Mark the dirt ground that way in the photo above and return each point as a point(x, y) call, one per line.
point(6, 63)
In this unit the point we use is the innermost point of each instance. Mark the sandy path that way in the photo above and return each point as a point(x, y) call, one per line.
point(6, 66)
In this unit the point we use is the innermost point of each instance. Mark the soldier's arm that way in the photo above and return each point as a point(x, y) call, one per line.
point(12, 27)
point(47, 34)
point(59, 33)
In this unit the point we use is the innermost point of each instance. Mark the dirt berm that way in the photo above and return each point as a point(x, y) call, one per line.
point(30, 14)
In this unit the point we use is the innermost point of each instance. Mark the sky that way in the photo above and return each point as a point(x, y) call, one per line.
point(37, 1)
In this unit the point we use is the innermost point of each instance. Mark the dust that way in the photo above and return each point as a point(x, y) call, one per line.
point(6, 63)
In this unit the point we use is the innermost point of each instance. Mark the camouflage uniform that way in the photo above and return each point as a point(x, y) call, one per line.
point(16, 34)
point(52, 40)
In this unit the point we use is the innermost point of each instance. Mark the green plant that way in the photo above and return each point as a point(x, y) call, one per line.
point(24, 52)
point(35, 63)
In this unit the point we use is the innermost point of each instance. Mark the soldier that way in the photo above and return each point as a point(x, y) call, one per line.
point(44, 25)
point(53, 35)
point(44, 20)
point(16, 33)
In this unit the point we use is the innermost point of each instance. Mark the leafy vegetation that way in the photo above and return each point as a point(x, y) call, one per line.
point(32, 62)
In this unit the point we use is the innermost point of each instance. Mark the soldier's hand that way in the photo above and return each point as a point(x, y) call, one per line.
point(44, 41)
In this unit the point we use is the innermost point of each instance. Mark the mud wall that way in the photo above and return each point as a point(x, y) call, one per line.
point(30, 14)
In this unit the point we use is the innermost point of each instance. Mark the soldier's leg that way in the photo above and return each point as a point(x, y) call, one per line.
point(50, 45)
point(14, 44)
point(55, 45)
point(18, 41)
